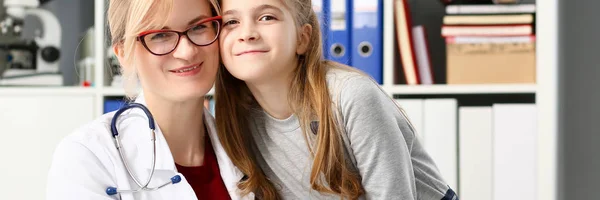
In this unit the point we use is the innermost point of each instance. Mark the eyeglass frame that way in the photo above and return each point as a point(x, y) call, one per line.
point(217, 19)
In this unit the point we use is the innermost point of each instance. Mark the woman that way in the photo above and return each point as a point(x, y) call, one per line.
point(170, 46)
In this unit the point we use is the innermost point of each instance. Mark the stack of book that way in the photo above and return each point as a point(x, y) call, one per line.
point(490, 43)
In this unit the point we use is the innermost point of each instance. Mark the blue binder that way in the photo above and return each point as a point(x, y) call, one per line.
point(321, 8)
point(339, 22)
point(367, 37)
point(212, 107)
point(112, 105)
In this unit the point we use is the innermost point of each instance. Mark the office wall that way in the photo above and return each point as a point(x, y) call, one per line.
point(579, 99)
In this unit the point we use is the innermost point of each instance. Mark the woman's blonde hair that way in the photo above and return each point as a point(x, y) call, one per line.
point(310, 99)
point(127, 18)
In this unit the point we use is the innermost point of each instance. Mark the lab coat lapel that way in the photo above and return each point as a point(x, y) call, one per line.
point(164, 158)
point(165, 165)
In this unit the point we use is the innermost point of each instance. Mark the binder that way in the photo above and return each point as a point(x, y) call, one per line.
point(440, 135)
point(515, 150)
point(212, 106)
point(475, 128)
point(367, 37)
point(321, 8)
point(112, 105)
point(338, 21)
point(414, 108)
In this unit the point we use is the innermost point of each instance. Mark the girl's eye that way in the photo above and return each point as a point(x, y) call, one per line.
point(230, 22)
point(267, 18)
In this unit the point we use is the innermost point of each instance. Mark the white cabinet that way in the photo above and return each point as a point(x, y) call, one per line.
point(32, 124)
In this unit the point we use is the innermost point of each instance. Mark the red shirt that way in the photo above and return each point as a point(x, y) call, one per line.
point(206, 179)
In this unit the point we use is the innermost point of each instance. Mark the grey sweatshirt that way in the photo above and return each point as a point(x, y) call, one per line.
point(379, 140)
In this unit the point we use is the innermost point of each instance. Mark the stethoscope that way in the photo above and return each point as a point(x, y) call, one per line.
point(115, 133)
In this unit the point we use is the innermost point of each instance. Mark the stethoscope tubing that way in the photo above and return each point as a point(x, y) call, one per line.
point(115, 134)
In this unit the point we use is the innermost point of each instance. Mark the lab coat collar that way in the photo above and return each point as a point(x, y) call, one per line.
point(164, 158)
point(230, 174)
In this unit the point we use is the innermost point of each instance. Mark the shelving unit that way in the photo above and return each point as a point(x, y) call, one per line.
point(547, 98)
point(461, 89)
point(7, 91)
point(116, 91)
point(545, 90)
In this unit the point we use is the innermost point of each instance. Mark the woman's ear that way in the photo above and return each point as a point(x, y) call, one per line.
point(118, 50)
point(304, 39)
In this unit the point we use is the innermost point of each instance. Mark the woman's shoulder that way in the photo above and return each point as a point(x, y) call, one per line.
point(93, 131)
point(89, 140)
point(83, 159)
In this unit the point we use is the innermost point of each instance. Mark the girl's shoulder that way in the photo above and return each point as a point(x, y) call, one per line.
point(340, 74)
point(350, 81)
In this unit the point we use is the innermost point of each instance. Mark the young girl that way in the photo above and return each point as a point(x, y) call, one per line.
point(169, 47)
point(300, 127)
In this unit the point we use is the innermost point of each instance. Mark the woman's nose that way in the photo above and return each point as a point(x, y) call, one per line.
point(185, 49)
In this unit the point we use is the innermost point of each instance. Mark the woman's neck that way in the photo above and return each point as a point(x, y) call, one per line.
point(182, 124)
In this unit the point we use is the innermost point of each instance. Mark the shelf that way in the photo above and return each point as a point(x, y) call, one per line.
point(31, 90)
point(396, 89)
point(117, 91)
point(461, 89)
point(113, 91)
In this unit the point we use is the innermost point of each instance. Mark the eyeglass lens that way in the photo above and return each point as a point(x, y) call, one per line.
point(166, 41)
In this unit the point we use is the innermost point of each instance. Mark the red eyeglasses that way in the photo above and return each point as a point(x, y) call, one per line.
point(162, 42)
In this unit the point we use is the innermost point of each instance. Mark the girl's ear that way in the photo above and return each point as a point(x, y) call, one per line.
point(304, 40)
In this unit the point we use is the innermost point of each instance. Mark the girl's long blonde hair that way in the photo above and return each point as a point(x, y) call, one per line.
point(127, 18)
point(310, 99)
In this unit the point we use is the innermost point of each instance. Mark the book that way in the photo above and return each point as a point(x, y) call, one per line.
point(488, 19)
point(405, 42)
point(490, 9)
point(485, 30)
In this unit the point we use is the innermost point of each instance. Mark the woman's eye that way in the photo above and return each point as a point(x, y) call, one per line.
point(159, 36)
point(230, 22)
point(199, 27)
point(266, 18)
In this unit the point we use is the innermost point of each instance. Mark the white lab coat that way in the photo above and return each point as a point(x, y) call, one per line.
point(87, 162)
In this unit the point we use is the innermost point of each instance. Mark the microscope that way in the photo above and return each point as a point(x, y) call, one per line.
point(26, 61)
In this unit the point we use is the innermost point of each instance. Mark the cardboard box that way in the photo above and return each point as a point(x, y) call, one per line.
point(491, 63)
